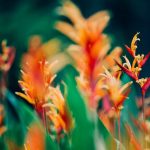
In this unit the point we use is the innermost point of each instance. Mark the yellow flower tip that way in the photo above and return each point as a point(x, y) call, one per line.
point(31, 101)
point(127, 63)
point(17, 93)
point(131, 82)
point(4, 43)
point(19, 81)
point(141, 81)
point(49, 105)
point(120, 107)
point(134, 42)
point(125, 87)
point(139, 57)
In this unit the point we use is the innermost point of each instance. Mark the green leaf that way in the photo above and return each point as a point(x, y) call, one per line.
point(106, 137)
point(19, 118)
point(82, 134)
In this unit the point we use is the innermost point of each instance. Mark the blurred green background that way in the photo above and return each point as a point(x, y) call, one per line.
point(19, 19)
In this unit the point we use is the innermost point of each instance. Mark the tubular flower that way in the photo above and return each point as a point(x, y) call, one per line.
point(113, 85)
point(36, 80)
point(36, 73)
point(92, 45)
point(36, 83)
point(133, 70)
point(57, 111)
point(7, 57)
point(83, 30)
point(140, 59)
point(36, 77)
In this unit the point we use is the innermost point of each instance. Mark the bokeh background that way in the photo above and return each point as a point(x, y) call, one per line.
point(20, 19)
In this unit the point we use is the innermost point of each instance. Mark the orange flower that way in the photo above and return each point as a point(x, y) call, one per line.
point(36, 73)
point(36, 80)
point(57, 111)
point(7, 57)
point(134, 70)
point(117, 93)
point(36, 83)
point(83, 30)
point(91, 44)
point(36, 76)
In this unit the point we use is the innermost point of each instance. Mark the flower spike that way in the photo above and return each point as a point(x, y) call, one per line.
point(134, 42)
point(144, 60)
point(129, 50)
point(127, 71)
point(146, 86)
point(133, 47)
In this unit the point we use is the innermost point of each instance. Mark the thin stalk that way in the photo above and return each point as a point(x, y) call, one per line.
point(3, 85)
point(119, 133)
point(143, 107)
point(44, 118)
point(143, 118)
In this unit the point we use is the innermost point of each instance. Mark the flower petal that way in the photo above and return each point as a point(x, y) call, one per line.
point(68, 30)
point(128, 72)
point(134, 42)
point(146, 86)
point(144, 60)
point(123, 97)
point(31, 101)
point(130, 51)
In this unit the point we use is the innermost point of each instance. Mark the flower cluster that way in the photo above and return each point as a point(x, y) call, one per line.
point(133, 70)
point(116, 92)
point(36, 83)
point(90, 51)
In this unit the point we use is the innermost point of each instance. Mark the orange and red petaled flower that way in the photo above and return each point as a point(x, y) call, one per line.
point(36, 84)
point(113, 86)
point(133, 47)
point(58, 111)
point(127, 71)
point(92, 45)
point(146, 86)
point(130, 51)
point(141, 63)
point(36, 76)
point(133, 70)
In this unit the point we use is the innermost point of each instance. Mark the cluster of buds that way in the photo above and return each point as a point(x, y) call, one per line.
point(133, 70)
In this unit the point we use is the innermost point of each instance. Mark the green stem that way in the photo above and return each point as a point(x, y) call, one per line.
point(143, 107)
point(119, 135)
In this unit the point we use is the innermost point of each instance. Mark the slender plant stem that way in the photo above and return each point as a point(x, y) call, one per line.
point(143, 118)
point(44, 118)
point(119, 135)
point(143, 107)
